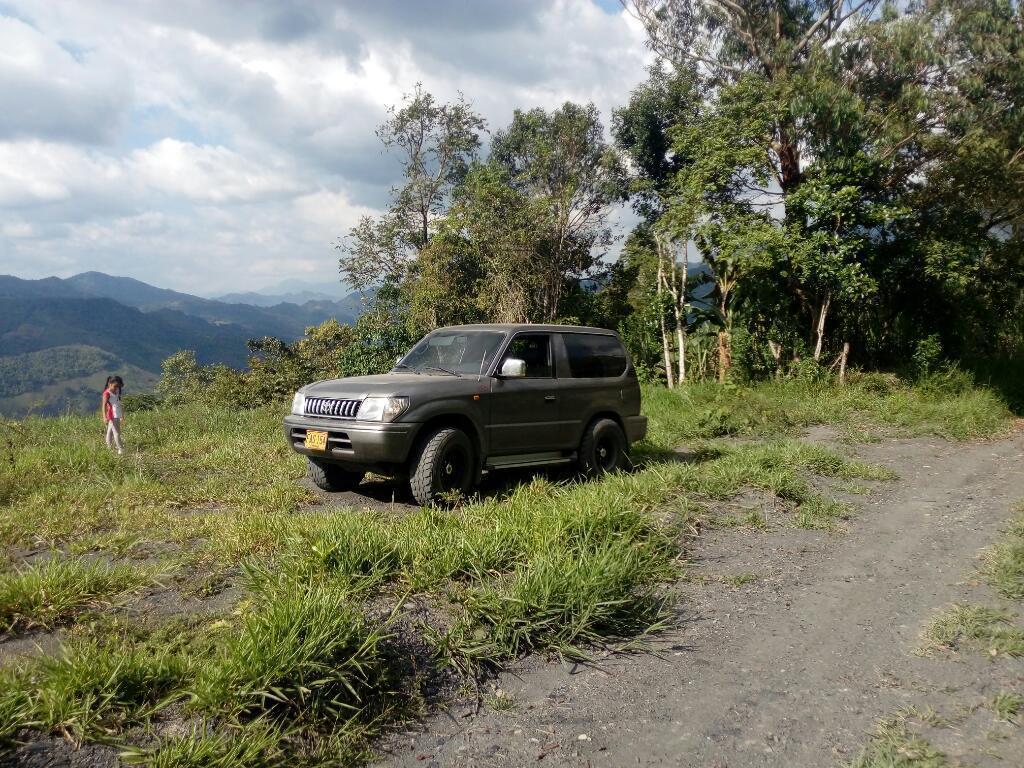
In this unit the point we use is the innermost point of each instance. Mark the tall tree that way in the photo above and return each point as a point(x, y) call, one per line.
point(436, 142)
point(561, 161)
point(775, 39)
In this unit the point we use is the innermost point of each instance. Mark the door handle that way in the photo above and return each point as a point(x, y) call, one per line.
point(549, 398)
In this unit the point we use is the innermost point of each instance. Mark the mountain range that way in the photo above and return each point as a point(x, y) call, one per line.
point(59, 338)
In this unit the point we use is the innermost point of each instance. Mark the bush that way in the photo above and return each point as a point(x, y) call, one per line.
point(927, 355)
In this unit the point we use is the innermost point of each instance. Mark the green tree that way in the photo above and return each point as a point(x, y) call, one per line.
point(570, 177)
point(436, 143)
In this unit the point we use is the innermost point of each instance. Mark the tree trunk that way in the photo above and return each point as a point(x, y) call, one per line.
point(666, 350)
point(661, 322)
point(820, 330)
point(776, 350)
point(842, 362)
point(681, 343)
point(724, 354)
point(681, 312)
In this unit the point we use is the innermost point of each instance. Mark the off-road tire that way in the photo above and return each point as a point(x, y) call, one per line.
point(331, 477)
point(603, 449)
point(443, 467)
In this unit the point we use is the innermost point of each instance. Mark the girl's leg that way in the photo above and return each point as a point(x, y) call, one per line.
point(115, 425)
point(109, 436)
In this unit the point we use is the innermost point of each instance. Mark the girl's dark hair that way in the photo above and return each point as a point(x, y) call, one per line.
point(110, 380)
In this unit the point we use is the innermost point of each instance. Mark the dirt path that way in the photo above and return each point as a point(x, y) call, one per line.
point(792, 669)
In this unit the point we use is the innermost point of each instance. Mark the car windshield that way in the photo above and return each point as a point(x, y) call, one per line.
point(455, 352)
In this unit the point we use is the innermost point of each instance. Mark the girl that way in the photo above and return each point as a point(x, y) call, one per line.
point(113, 412)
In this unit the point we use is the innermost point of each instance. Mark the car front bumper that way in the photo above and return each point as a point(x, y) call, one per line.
point(358, 443)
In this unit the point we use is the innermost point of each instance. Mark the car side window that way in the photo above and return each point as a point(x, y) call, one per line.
point(535, 350)
point(593, 356)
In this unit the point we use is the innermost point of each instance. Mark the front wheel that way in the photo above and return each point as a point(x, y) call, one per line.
point(603, 449)
point(331, 477)
point(443, 467)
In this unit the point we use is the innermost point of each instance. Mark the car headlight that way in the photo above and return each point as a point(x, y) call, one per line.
point(382, 408)
point(299, 404)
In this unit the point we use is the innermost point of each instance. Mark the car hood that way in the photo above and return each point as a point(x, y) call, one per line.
point(392, 384)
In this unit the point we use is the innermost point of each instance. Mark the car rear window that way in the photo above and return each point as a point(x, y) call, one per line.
point(593, 357)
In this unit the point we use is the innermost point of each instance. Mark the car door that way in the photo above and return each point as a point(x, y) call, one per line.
point(525, 413)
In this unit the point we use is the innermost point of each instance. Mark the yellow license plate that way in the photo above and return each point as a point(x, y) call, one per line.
point(316, 441)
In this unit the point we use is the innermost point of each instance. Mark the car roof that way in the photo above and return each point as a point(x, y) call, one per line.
point(539, 327)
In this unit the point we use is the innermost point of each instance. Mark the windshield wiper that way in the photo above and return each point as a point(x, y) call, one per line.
point(443, 370)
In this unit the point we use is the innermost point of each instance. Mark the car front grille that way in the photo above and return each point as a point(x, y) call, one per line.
point(328, 406)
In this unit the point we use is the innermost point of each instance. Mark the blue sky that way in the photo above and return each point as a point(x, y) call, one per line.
point(223, 146)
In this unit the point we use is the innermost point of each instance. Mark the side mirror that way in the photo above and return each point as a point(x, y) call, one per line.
point(513, 369)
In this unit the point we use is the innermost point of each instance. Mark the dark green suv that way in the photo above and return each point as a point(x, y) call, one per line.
point(474, 398)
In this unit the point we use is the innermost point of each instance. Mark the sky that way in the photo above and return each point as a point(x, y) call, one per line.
point(224, 146)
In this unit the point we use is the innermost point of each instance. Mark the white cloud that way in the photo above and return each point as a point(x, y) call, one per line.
point(207, 173)
point(49, 90)
point(213, 145)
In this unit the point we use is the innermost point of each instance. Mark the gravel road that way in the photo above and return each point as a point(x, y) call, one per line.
point(793, 668)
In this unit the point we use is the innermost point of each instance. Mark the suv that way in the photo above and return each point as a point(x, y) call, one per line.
point(472, 398)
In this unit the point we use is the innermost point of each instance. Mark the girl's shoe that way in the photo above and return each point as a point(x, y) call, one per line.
point(120, 451)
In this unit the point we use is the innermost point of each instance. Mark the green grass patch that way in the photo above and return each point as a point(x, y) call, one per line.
point(255, 744)
point(96, 689)
point(1003, 563)
point(304, 652)
point(950, 408)
point(46, 594)
point(971, 627)
point(1007, 706)
point(894, 745)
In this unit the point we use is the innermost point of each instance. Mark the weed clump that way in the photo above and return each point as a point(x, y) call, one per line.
point(1003, 565)
point(971, 626)
point(43, 595)
point(305, 653)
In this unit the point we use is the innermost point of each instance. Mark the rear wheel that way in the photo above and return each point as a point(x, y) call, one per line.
point(603, 449)
point(331, 477)
point(443, 468)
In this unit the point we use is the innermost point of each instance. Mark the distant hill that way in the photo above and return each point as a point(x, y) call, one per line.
point(292, 291)
point(63, 379)
point(285, 320)
point(59, 336)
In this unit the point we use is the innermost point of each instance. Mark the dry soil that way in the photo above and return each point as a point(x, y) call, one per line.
point(795, 666)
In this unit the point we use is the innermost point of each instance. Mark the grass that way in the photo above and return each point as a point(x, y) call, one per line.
point(1007, 706)
point(319, 654)
point(305, 652)
point(1003, 563)
point(257, 744)
point(45, 594)
point(966, 627)
point(869, 404)
point(894, 745)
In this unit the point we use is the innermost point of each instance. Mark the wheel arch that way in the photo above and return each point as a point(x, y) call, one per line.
point(458, 421)
point(614, 416)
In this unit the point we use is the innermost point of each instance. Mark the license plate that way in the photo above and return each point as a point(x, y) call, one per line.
point(316, 441)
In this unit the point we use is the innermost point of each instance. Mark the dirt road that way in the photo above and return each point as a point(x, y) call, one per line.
point(792, 668)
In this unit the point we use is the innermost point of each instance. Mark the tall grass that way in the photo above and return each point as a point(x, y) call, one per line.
point(947, 405)
point(43, 595)
point(305, 652)
point(1003, 563)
